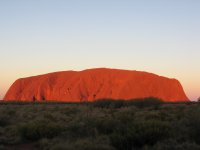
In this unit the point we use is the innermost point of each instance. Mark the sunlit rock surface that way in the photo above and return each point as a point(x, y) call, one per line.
point(92, 84)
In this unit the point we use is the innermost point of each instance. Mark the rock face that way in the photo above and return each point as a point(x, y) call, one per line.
point(92, 84)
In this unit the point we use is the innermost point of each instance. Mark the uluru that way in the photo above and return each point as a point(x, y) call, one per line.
point(94, 84)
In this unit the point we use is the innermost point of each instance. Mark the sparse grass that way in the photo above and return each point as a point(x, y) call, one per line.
point(147, 124)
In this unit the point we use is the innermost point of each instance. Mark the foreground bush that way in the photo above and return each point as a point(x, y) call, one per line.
point(39, 129)
point(100, 143)
point(139, 134)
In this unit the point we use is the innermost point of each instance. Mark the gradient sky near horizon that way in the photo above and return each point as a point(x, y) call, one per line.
point(158, 36)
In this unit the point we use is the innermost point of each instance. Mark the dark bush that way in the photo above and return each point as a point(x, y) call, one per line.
point(99, 143)
point(108, 103)
point(174, 145)
point(193, 125)
point(106, 126)
point(139, 134)
point(4, 120)
point(146, 102)
point(9, 135)
point(36, 130)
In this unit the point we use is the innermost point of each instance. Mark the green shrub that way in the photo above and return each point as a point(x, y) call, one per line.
point(193, 125)
point(44, 144)
point(139, 134)
point(146, 102)
point(36, 130)
point(4, 120)
point(9, 135)
point(2, 147)
point(106, 126)
point(102, 103)
point(174, 145)
point(108, 103)
point(85, 144)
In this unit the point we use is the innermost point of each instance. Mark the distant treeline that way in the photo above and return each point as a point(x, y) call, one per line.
point(121, 102)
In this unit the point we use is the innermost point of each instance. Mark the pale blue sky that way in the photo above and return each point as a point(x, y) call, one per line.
point(159, 36)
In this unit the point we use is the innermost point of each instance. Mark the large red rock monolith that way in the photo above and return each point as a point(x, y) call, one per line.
point(92, 84)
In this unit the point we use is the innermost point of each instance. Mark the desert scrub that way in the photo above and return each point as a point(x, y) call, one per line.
point(36, 130)
point(140, 125)
point(9, 135)
point(100, 143)
point(138, 134)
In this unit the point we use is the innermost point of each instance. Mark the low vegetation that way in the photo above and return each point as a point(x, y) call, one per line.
point(143, 124)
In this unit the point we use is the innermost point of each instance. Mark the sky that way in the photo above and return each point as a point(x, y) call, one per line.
point(158, 36)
